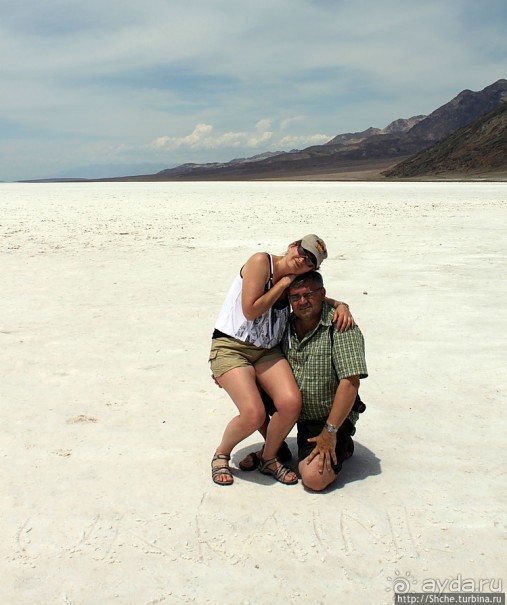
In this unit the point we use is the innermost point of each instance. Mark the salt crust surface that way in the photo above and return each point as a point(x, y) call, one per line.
point(110, 418)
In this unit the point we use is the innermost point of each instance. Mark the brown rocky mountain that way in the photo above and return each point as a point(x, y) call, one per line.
point(400, 125)
point(462, 110)
point(373, 150)
point(474, 150)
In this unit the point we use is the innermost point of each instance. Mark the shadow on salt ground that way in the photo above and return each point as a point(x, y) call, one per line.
point(363, 464)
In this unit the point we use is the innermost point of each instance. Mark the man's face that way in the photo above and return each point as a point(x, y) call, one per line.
point(307, 301)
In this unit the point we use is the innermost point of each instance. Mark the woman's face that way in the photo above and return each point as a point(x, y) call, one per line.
point(300, 260)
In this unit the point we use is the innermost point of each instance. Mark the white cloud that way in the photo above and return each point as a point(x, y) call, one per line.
point(203, 137)
point(263, 125)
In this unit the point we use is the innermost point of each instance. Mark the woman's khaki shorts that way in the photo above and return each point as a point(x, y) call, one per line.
point(229, 353)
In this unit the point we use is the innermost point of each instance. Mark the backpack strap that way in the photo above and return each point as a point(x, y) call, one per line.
point(359, 406)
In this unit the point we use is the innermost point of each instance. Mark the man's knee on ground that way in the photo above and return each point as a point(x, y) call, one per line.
point(314, 480)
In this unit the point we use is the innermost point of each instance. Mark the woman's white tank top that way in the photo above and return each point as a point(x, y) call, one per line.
point(265, 331)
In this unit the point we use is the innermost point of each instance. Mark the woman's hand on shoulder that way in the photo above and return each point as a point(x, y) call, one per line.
point(342, 317)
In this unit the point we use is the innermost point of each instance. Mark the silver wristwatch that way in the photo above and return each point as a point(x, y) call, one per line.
point(330, 428)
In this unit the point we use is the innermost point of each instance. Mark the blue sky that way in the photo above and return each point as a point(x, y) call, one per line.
point(124, 84)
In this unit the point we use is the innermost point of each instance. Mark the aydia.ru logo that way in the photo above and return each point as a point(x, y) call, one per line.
point(401, 584)
point(461, 584)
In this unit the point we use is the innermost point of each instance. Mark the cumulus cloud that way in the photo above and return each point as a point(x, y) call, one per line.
point(204, 137)
point(263, 137)
point(200, 137)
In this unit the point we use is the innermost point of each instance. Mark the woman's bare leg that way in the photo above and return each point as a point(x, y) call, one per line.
point(240, 384)
point(276, 378)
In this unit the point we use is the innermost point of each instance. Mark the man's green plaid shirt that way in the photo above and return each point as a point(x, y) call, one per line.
point(311, 360)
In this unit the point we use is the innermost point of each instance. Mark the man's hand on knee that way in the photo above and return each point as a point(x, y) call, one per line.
point(325, 449)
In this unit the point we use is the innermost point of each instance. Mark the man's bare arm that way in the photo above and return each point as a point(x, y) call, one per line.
point(325, 443)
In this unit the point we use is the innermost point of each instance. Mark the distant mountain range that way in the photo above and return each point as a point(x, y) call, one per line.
point(415, 147)
point(371, 150)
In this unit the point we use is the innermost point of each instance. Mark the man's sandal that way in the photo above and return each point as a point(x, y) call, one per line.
point(225, 471)
point(268, 467)
point(252, 461)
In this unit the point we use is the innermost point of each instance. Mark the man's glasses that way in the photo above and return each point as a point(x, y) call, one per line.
point(306, 296)
point(310, 259)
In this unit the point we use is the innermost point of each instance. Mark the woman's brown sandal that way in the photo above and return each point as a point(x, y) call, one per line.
point(224, 471)
point(268, 467)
